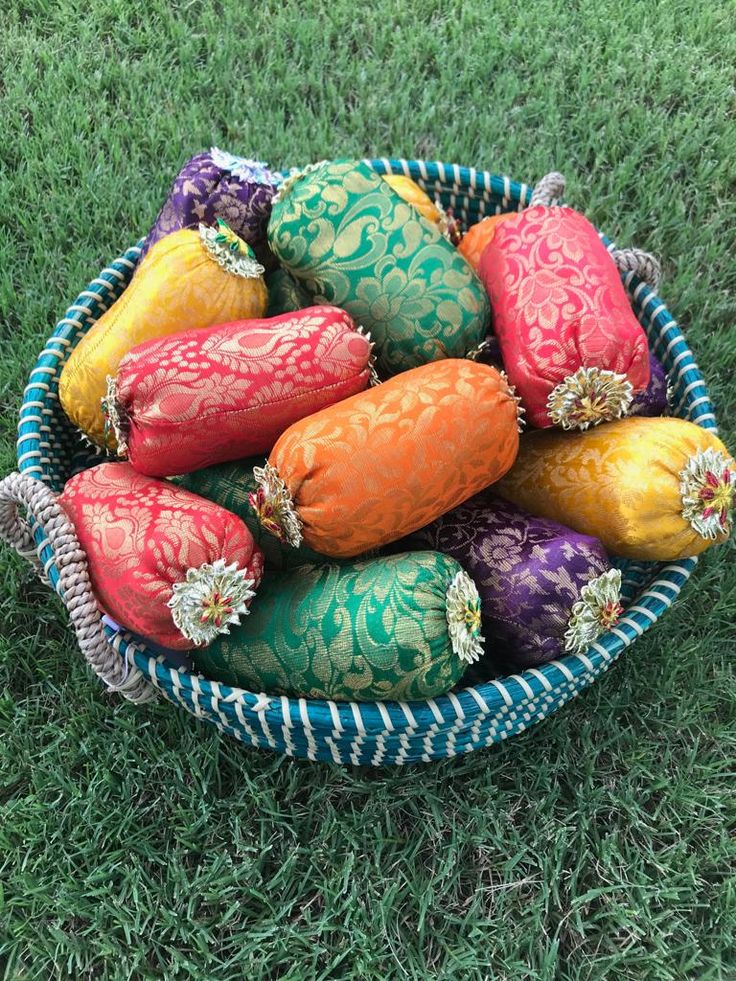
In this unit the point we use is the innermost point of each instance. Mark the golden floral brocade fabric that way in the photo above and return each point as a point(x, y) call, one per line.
point(558, 305)
point(362, 631)
point(141, 536)
point(352, 241)
point(619, 482)
point(391, 459)
point(178, 286)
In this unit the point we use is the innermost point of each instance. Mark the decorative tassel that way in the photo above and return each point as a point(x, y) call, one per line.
point(590, 396)
point(230, 251)
point(598, 609)
point(708, 491)
point(115, 417)
point(463, 618)
point(211, 600)
point(274, 507)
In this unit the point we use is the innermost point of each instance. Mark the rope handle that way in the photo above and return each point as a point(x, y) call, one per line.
point(39, 501)
point(647, 267)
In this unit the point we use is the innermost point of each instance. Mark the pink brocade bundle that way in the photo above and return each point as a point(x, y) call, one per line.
point(208, 396)
point(571, 345)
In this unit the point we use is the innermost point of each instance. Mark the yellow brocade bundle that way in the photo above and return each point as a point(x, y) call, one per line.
point(412, 193)
point(189, 279)
point(654, 489)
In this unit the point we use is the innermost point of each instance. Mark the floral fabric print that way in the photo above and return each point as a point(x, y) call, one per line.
point(652, 401)
point(558, 305)
point(352, 241)
point(619, 482)
point(227, 392)
point(230, 485)
point(364, 631)
point(215, 185)
point(377, 466)
point(178, 287)
point(285, 294)
point(529, 572)
point(141, 536)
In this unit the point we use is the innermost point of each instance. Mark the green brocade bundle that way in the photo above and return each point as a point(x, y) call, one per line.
point(229, 484)
point(353, 242)
point(404, 627)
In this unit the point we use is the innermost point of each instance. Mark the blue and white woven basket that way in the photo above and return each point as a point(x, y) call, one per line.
point(388, 733)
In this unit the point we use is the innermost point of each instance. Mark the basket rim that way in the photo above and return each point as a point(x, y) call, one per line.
point(473, 193)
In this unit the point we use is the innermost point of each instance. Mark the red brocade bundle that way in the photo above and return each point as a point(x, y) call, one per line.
point(165, 563)
point(572, 346)
point(203, 397)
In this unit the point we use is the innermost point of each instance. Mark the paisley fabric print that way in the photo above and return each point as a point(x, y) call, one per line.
point(352, 241)
point(653, 400)
point(619, 482)
point(377, 466)
point(285, 294)
point(212, 185)
point(180, 285)
point(366, 631)
point(230, 485)
point(143, 536)
point(227, 392)
point(558, 306)
point(530, 573)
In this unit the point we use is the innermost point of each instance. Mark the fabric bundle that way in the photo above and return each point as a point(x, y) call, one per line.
point(165, 563)
point(404, 628)
point(658, 489)
point(545, 590)
point(572, 347)
point(377, 466)
point(201, 397)
point(190, 279)
point(215, 184)
point(352, 241)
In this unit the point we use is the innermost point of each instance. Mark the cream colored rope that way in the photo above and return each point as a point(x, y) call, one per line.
point(19, 490)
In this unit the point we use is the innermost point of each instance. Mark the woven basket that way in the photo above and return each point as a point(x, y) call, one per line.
point(50, 451)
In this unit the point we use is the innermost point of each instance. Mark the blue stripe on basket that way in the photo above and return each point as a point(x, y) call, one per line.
point(371, 733)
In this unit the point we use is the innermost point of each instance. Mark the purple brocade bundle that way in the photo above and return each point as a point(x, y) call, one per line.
point(653, 400)
point(215, 184)
point(530, 573)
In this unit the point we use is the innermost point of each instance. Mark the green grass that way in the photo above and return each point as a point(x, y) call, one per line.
point(134, 842)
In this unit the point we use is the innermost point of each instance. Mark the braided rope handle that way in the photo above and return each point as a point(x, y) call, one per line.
point(646, 266)
point(20, 490)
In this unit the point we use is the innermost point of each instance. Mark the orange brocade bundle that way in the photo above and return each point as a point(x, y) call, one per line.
point(387, 461)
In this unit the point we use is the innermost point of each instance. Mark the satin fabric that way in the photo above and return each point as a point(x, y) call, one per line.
point(409, 191)
point(618, 482)
point(529, 572)
point(365, 631)
point(558, 304)
point(141, 535)
point(653, 400)
point(227, 392)
point(370, 469)
point(285, 294)
point(178, 287)
point(352, 241)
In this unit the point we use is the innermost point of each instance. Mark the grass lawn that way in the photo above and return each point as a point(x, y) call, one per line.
point(135, 842)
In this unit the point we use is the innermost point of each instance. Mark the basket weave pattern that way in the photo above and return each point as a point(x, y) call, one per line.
point(390, 733)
